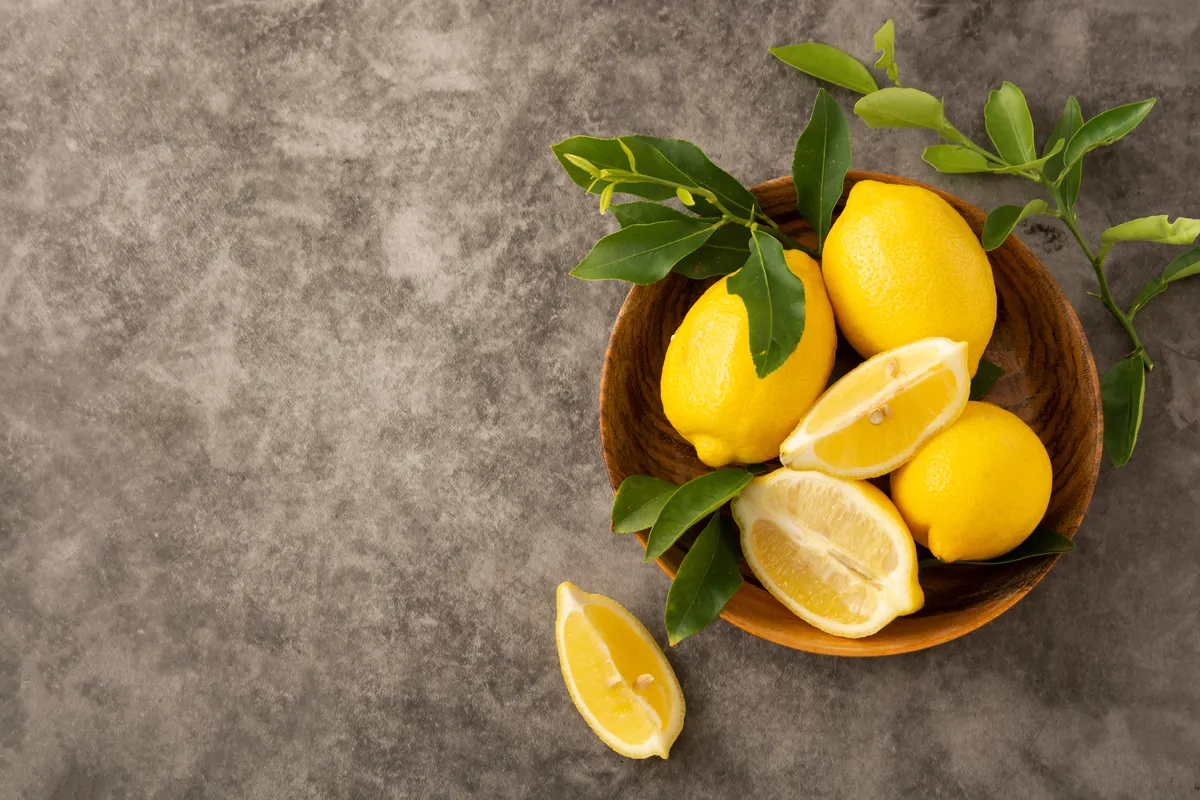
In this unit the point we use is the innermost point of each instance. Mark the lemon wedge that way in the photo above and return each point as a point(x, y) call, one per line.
point(835, 552)
point(878, 415)
point(617, 675)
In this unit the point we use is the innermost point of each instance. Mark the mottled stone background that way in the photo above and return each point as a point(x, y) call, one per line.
point(298, 406)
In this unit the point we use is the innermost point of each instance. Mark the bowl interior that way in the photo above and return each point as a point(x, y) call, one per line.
point(1050, 382)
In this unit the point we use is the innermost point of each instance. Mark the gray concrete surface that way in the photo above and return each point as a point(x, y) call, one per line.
point(298, 406)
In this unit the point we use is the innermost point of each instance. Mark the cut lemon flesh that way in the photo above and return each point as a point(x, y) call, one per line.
point(617, 675)
point(878, 415)
point(834, 551)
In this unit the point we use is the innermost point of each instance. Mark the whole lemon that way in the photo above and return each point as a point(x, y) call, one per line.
point(710, 391)
point(978, 488)
point(901, 265)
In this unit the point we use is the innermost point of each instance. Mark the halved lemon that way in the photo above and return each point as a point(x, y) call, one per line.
point(617, 675)
point(878, 415)
point(835, 552)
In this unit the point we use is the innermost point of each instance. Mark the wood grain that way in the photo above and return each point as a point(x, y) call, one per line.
point(1050, 382)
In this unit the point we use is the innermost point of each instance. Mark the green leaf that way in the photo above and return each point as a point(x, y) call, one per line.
point(724, 252)
point(1002, 219)
point(1009, 125)
point(885, 44)
point(819, 164)
point(985, 378)
point(1042, 542)
point(606, 197)
point(1153, 288)
point(602, 154)
point(638, 502)
point(643, 254)
point(1183, 265)
point(1069, 122)
point(1123, 388)
point(1028, 166)
point(685, 196)
point(1104, 129)
point(902, 108)
point(1154, 229)
point(828, 64)
point(774, 299)
point(683, 162)
point(691, 503)
point(641, 212)
point(954, 159)
point(707, 579)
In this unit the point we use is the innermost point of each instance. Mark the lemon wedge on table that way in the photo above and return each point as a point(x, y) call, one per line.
point(881, 412)
point(617, 675)
point(835, 552)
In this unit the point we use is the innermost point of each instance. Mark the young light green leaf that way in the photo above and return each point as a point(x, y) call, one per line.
point(602, 154)
point(902, 108)
point(885, 45)
point(638, 502)
point(819, 164)
point(642, 212)
point(1154, 229)
point(724, 252)
point(954, 159)
point(1183, 265)
point(774, 299)
point(985, 378)
point(1123, 389)
point(682, 162)
point(1152, 288)
point(1069, 122)
point(828, 64)
point(1042, 542)
point(606, 197)
point(685, 196)
point(691, 503)
point(706, 580)
point(1002, 219)
point(629, 155)
point(643, 254)
point(1009, 125)
point(1104, 129)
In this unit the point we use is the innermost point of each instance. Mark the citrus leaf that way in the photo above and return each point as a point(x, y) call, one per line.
point(1068, 123)
point(681, 161)
point(954, 159)
point(819, 164)
point(638, 502)
point(1009, 124)
point(885, 45)
point(1104, 129)
point(828, 64)
point(1152, 288)
point(642, 212)
point(724, 252)
point(902, 108)
point(985, 378)
point(1154, 229)
point(1002, 219)
point(691, 503)
point(603, 154)
point(1028, 166)
point(706, 580)
point(774, 299)
point(1042, 542)
point(1183, 265)
point(643, 254)
point(1123, 389)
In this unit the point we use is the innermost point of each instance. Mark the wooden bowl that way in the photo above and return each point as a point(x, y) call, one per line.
point(1050, 382)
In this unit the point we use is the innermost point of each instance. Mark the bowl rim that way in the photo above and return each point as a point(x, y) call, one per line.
point(739, 612)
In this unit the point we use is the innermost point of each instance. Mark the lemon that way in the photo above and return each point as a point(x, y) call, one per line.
point(977, 489)
point(882, 411)
point(617, 675)
point(710, 391)
point(901, 265)
point(835, 552)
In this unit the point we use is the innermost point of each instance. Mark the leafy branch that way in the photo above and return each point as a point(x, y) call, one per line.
point(1058, 171)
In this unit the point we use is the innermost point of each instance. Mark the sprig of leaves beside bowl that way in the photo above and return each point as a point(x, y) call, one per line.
point(1058, 170)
